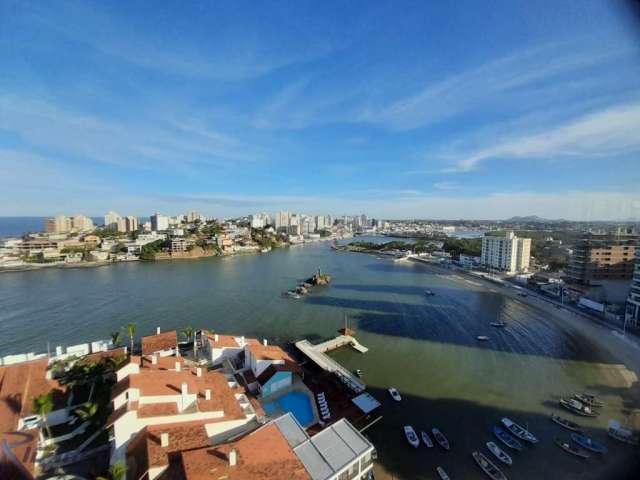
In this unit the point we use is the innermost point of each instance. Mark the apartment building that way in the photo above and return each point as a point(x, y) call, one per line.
point(111, 220)
point(159, 223)
point(59, 224)
point(606, 256)
point(632, 314)
point(508, 254)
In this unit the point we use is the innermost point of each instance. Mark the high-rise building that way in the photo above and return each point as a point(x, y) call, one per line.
point(80, 223)
point(260, 220)
point(632, 314)
point(159, 222)
point(509, 254)
point(193, 216)
point(283, 221)
point(111, 220)
point(132, 224)
point(121, 225)
point(59, 224)
point(606, 256)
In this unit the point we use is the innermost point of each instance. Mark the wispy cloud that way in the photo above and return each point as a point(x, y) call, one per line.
point(608, 132)
point(517, 82)
point(447, 186)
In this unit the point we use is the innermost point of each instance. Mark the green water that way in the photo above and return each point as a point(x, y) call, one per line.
point(424, 346)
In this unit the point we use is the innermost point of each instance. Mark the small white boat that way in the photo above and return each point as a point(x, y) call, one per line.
point(412, 438)
point(426, 439)
point(498, 324)
point(482, 338)
point(442, 473)
point(518, 431)
point(440, 438)
point(621, 434)
point(500, 454)
point(488, 467)
point(394, 394)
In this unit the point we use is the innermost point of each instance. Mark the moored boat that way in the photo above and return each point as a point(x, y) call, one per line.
point(426, 439)
point(588, 443)
point(568, 424)
point(624, 435)
point(500, 454)
point(518, 431)
point(412, 438)
point(440, 438)
point(394, 394)
point(443, 475)
point(567, 447)
point(498, 324)
point(488, 467)
point(506, 438)
point(429, 293)
point(588, 399)
point(482, 338)
point(577, 407)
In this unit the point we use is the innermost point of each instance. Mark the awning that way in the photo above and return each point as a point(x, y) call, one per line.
point(366, 402)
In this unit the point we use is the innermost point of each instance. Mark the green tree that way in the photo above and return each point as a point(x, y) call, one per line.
point(42, 405)
point(188, 333)
point(116, 338)
point(117, 471)
point(131, 332)
point(87, 411)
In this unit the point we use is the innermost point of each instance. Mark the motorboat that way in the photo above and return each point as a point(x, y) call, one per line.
point(518, 431)
point(412, 438)
point(500, 454)
point(589, 400)
point(291, 294)
point(443, 475)
point(359, 372)
point(426, 439)
point(394, 394)
point(429, 293)
point(440, 438)
point(588, 443)
point(498, 324)
point(564, 423)
point(577, 407)
point(573, 450)
point(488, 467)
point(507, 438)
point(482, 338)
point(624, 435)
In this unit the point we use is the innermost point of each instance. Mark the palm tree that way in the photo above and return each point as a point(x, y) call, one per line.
point(87, 411)
point(116, 338)
point(188, 334)
point(42, 405)
point(131, 331)
point(116, 472)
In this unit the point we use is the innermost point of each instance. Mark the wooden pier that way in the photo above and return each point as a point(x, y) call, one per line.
point(317, 354)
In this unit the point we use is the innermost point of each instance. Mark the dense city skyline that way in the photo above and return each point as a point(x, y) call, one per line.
point(228, 109)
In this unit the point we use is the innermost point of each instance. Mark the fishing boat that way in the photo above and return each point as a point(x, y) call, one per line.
point(506, 438)
point(426, 439)
point(394, 394)
point(564, 423)
point(500, 454)
point(589, 400)
point(488, 467)
point(482, 338)
point(443, 475)
point(577, 407)
point(412, 438)
point(429, 293)
point(518, 431)
point(498, 324)
point(291, 294)
point(440, 438)
point(588, 443)
point(567, 447)
point(624, 435)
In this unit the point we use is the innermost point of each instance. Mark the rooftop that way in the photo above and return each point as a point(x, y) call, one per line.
point(159, 342)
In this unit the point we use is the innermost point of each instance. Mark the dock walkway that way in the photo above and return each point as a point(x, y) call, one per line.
point(317, 354)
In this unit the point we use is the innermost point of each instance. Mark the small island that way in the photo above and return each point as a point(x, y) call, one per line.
point(317, 279)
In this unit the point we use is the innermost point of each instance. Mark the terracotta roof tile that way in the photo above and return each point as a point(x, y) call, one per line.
point(160, 342)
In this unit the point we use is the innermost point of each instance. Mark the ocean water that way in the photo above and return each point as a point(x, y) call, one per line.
point(17, 226)
point(424, 346)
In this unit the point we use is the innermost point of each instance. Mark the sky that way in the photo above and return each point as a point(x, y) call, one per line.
point(466, 109)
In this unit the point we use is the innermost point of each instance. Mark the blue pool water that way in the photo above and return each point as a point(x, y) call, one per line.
point(295, 402)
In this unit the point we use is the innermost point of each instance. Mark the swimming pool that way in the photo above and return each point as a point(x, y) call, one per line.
point(297, 403)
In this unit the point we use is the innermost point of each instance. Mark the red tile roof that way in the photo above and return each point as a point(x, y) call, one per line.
point(160, 342)
point(261, 455)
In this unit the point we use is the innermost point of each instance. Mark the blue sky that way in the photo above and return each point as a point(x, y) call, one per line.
point(467, 109)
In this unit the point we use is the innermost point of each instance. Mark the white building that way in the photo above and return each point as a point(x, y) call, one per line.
point(133, 224)
point(282, 221)
point(80, 223)
point(111, 220)
point(509, 254)
point(159, 223)
point(633, 300)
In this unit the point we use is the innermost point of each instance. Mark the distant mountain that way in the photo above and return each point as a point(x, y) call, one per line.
point(532, 219)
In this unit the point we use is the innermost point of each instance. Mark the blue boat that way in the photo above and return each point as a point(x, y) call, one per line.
point(588, 443)
point(507, 438)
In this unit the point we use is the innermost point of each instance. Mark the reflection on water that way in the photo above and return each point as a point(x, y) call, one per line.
point(424, 346)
